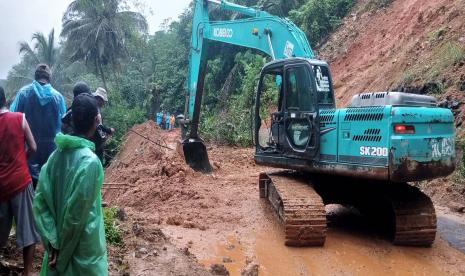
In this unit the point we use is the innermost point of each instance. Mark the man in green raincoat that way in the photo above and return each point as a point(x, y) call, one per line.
point(67, 205)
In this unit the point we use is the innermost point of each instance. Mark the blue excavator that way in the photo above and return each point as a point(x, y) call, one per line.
point(362, 156)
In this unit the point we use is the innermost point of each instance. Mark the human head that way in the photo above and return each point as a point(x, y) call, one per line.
point(81, 88)
point(2, 97)
point(43, 73)
point(85, 111)
point(101, 96)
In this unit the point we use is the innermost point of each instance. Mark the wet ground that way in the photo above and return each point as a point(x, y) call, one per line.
point(452, 229)
point(352, 247)
point(220, 219)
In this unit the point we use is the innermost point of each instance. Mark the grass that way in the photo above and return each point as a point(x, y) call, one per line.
point(430, 71)
point(409, 76)
point(113, 233)
point(451, 53)
point(436, 35)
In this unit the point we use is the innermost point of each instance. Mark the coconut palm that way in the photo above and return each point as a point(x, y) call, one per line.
point(42, 50)
point(96, 31)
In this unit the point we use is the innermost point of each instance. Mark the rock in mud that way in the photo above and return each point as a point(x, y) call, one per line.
point(250, 270)
point(121, 214)
point(227, 260)
point(219, 269)
point(456, 207)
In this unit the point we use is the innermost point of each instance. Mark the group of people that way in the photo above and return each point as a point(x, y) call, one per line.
point(51, 175)
point(165, 120)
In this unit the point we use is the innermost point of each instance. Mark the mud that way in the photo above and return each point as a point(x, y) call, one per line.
point(220, 219)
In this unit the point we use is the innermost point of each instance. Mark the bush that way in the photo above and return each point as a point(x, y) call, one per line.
point(318, 18)
point(234, 124)
point(120, 116)
point(113, 234)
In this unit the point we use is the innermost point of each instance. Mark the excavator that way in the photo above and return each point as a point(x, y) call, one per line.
point(363, 155)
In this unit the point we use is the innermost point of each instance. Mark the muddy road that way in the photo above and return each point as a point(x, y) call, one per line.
point(220, 219)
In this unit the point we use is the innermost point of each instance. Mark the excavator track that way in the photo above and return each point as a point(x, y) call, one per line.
point(298, 206)
point(402, 209)
point(415, 217)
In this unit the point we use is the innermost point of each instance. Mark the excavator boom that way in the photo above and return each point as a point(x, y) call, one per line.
point(276, 37)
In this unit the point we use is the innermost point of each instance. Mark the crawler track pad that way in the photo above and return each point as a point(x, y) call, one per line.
point(298, 206)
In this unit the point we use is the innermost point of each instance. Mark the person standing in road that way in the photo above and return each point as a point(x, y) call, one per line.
point(16, 189)
point(44, 108)
point(103, 132)
point(163, 121)
point(172, 121)
point(68, 202)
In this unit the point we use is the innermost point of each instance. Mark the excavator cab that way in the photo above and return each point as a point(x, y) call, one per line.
point(290, 94)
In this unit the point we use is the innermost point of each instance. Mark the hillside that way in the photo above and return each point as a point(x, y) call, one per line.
point(411, 45)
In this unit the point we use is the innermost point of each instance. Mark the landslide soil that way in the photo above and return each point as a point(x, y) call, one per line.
point(219, 219)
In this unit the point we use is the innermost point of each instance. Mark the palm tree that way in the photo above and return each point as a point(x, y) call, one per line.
point(43, 51)
point(96, 31)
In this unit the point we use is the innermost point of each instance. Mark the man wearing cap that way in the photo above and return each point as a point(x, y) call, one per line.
point(103, 132)
point(43, 106)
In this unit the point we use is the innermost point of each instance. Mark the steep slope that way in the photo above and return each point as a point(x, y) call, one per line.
point(412, 45)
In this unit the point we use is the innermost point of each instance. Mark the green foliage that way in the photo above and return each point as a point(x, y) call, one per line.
point(96, 30)
point(451, 53)
point(234, 123)
point(318, 18)
point(113, 233)
point(120, 116)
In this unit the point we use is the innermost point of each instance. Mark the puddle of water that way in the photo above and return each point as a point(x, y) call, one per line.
point(343, 254)
point(232, 249)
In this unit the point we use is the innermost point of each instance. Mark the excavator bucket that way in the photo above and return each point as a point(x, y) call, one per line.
point(195, 153)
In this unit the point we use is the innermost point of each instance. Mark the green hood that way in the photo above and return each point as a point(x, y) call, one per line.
point(65, 142)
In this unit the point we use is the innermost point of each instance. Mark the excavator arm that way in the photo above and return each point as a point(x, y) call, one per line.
point(276, 37)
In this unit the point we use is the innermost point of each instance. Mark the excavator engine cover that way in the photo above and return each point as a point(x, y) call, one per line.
point(195, 153)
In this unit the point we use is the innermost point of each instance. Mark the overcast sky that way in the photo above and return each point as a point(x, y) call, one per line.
point(21, 18)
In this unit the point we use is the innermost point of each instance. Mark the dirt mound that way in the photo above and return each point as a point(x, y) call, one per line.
point(144, 175)
point(156, 181)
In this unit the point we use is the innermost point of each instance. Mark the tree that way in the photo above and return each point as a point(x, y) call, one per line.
point(96, 31)
point(44, 50)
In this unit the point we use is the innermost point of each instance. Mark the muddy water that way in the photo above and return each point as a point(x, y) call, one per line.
point(346, 252)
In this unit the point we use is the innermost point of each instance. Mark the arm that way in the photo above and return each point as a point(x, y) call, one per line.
point(78, 209)
point(31, 143)
point(108, 130)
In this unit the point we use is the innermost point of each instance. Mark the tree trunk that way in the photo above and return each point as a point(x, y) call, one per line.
point(102, 74)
